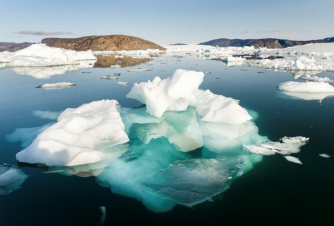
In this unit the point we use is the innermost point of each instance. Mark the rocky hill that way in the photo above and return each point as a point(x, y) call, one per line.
point(12, 46)
point(102, 43)
point(270, 43)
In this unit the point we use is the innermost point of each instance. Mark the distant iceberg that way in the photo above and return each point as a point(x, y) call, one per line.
point(58, 85)
point(40, 55)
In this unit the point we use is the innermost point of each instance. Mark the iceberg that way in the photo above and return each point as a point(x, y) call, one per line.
point(11, 178)
point(80, 136)
point(39, 55)
point(185, 146)
point(170, 94)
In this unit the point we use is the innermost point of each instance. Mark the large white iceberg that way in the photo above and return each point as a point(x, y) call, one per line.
point(170, 94)
point(39, 55)
point(181, 91)
point(11, 178)
point(80, 136)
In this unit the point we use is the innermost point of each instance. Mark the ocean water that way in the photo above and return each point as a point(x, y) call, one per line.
point(274, 191)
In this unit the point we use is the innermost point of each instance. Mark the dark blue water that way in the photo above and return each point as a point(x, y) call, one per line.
point(274, 192)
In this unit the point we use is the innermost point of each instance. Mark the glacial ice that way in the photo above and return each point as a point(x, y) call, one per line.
point(184, 146)
point(11, 178)
point(170, 94)
point(78, 136)
point(39, 55)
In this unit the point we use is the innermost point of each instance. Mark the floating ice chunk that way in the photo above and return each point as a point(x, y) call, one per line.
point(217, 108)
point(292, 159)
point(140, 69)
point(289, 145)
point(193, 181)
point(58, 85)
point(11, 178)
point(109, 77)
point(123, 83)
point(234, 59)
point(81, 136)
point(38, 55)
point(306, 87)
point(325, 155)
point(315, 78)
point(171, 94)
point(46, 114)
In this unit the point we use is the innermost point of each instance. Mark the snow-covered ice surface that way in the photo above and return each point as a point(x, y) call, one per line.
point(81, 135)
point(11, 178)
point(306, 87)
point(40, 55)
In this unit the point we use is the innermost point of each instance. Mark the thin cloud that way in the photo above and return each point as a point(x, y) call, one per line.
point(43, 33)
point(280, 32)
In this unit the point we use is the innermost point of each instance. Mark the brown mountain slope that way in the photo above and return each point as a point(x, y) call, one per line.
point(102, 43)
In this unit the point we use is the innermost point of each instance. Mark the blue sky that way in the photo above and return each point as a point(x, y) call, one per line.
point(166, 21)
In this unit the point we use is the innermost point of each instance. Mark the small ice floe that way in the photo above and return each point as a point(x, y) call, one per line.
point(206, 72)
point(11, 178)
point(115, 66)
point(117, 74)
point(306, 87)
point(292, 159)
point(315, 78)
point(139, 70)
point(86, 72)
point(58, 85)
point(123, 83)
point(287, 146)
point(243, 69)
point(325, 155)
point(109, 77)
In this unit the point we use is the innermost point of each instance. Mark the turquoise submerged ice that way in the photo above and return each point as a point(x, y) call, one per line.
point(184, 150)
point(11, 178)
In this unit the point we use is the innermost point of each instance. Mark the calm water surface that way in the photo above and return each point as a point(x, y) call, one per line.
point(275, 191)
